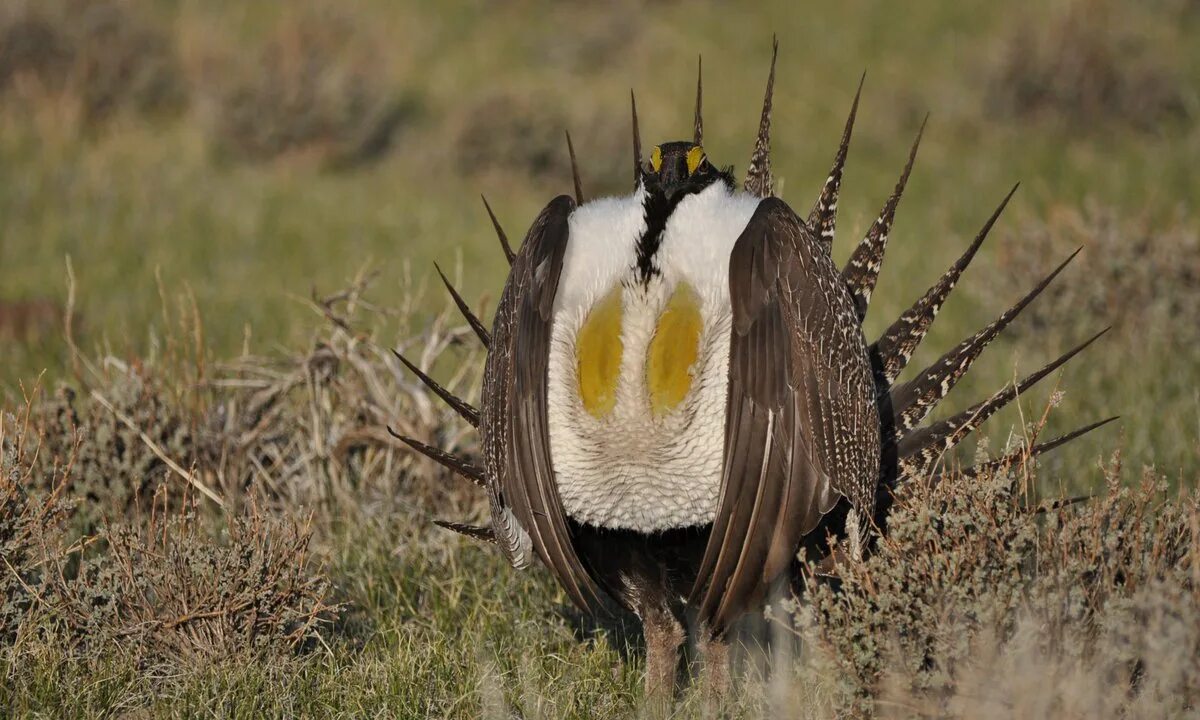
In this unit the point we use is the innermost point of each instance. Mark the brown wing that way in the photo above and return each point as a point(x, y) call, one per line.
point(526, 510)
point(802, 429)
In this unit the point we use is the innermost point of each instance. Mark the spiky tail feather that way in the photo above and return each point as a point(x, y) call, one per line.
point(475, 532)
point(922, 447)
point(508, 251)
point(758, 176)
point(480, 331)
point(861, 271)
point(574, 170)
point(458, 465)
point(1023, 454)
point(892, 350)
point(912, 401)
point(460, 406)
point(698, 119)
point(822, 220)
point(637, 143)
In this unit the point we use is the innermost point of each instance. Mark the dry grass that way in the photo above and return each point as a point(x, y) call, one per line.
point(304, 429)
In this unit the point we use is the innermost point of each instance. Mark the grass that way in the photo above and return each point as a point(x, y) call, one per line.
point(200, 227)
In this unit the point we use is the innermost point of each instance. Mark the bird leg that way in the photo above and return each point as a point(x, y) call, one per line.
point(664, 634)
point(856, 529)
point(714, 667)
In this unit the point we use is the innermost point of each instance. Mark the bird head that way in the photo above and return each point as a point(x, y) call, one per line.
point(681, 168)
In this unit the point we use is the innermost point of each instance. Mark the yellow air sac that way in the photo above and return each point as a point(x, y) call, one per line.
point(673, 350)
point(598, 354)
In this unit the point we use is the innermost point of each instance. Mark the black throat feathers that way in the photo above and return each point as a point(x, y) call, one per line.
point(657, 209)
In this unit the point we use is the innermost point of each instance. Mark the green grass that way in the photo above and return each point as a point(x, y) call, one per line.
point(432, 629)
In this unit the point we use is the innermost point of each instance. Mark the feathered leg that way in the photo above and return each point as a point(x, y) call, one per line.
point(664, 632)
point(714, 668)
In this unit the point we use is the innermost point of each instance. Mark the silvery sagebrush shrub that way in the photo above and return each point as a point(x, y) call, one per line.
point(176, 591)
point(977, 601)
point(105, 56)
point(31, 526)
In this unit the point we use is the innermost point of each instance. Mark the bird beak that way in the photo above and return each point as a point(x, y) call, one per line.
point(673, 176)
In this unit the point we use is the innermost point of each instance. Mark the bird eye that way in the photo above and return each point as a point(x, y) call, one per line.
point(656, 158)
point(695, 156)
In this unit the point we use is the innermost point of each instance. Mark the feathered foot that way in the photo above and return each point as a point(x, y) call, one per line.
point(665, 634)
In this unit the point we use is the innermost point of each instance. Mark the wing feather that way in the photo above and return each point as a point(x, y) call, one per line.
point(802, 429)
point(526, 508)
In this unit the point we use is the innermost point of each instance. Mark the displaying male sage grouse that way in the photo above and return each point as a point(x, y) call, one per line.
point(678, 390)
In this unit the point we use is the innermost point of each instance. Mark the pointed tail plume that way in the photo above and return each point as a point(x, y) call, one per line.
point(462, 407)
point(698, 123)
point(508, 251)
point(1022, 454)
point(758, 176)
point(892, 350)
point(823, 218)
point(862, 269)
point(482, 534)
point(913, 400)
point(637, 143)
point(574, 170)
point(922, 447)
point(455, 464)
point(480, 331)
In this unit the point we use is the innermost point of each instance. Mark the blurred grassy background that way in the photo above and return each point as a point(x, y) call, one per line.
point(246, 152)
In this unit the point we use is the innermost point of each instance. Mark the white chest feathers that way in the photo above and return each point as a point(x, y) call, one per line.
point(638, 370)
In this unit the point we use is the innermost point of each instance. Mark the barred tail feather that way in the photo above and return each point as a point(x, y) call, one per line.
point(1021, 454)
point(862, 269)
point(474, 473)
point(475, 532)
point(460, 406)
point(923, 446)
point(914, 400)
point(823, 217)
point(480, 331)
point(758, 176)
point(891, 352)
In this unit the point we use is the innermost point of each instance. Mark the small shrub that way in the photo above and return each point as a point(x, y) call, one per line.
point(115, 471)
point(170, 593)
point(31, 526)
point(107, 56)
point(315, 88)
point(973, 600)
point(524, 135)
point(1140, 278)
point(1089, 64)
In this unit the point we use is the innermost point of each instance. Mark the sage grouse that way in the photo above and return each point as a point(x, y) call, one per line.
point(678, 391)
